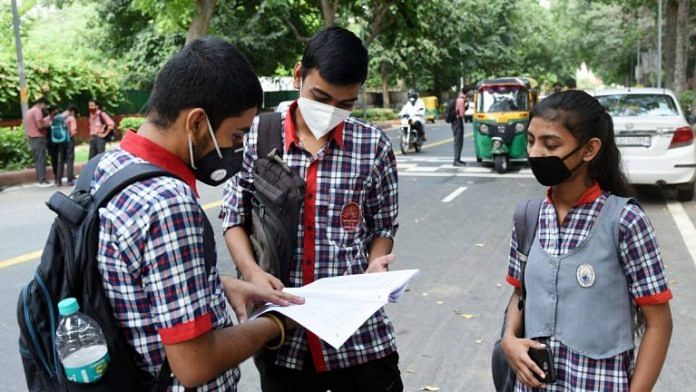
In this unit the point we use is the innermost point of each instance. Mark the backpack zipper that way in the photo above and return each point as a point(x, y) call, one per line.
point(52, 315)
point(32, 332)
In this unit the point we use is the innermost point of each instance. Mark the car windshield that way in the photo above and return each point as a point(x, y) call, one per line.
point(503, 99)
point(639, 105)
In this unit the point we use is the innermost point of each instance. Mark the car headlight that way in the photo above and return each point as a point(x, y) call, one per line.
point(484, 128)
point(520, 127)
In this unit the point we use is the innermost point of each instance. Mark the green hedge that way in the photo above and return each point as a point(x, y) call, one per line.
point(376, 114)
point(686, 100)
point(130, 122)
point(14, 151)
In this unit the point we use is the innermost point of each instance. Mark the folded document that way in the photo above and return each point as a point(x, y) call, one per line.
point(336, 307)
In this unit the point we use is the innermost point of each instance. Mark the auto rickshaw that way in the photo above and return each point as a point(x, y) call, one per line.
point(501, 116)
point(431, 109)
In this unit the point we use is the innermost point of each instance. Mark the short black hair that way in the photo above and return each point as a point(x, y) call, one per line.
point(338, 55)
point(557, 84)
point(72, 108)
point(41, 100)
point(208, 73)
point(94, 101)
point(570, 83)
point(52, 108)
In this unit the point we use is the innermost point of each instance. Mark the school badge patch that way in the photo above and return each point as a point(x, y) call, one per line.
point(350, 217)
point(585, 275)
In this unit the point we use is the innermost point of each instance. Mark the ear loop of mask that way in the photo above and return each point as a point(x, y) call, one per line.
point(212, 136)
point(190, 146)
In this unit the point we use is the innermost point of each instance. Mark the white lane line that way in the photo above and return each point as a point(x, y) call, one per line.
point(685, 226)
point(454, 194)
point(427, 169)
point(400, 165)
point(508, 176)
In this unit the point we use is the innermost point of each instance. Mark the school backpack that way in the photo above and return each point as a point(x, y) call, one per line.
point(276, 201)
point(68, 268)
point(59, 130)
point(526, 219)
point(450, 111)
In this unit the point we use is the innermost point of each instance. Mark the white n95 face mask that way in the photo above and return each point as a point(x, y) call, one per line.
point(321, 118)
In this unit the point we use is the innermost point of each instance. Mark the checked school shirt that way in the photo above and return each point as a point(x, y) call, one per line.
point(643, 266)
point(151, 259)
point(351, 197)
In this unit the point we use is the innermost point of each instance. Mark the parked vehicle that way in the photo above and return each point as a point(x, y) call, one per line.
point(655, 138)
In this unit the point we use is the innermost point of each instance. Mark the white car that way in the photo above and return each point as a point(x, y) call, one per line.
point(655, 138)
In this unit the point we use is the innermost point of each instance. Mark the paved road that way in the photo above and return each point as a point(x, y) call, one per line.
point(451, 315)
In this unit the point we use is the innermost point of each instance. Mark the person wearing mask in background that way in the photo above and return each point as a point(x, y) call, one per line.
point(593, 283)
point(347, 225)
point(164, 288)
point(461, 105)
point(35, 130)
point(53, 149)
point(414, 108)
point(100, 125)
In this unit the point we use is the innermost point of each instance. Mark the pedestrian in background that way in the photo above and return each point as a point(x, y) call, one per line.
point(570, 84)
point(458, 126)
point(557, 87)
point(65, 154)
point(52, 147)
point(100, 125)
point(35, 127)
point(594, 278)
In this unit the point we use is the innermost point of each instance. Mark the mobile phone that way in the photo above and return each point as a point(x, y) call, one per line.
point(543, 357)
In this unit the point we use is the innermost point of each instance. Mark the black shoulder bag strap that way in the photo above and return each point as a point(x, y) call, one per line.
point(269, 134)
point(526, 219)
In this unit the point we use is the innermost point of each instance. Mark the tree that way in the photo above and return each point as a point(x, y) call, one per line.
point(681, 47)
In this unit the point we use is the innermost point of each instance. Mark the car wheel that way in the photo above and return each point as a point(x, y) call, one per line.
point(686, 192)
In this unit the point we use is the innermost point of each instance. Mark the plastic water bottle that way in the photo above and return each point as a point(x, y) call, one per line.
point(80, 343)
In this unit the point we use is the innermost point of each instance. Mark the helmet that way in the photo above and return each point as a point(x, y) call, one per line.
point(412, 94)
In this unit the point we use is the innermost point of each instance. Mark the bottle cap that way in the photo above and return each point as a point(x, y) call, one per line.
point(68, 306)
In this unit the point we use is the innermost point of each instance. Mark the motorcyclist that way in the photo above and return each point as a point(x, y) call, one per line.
point(414, 108)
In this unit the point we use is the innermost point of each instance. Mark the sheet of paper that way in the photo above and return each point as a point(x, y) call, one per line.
point(336, 307)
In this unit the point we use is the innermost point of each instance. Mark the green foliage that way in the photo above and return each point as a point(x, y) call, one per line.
point(131, 123)
point(14, 151)
point(686, 100)
point(376, 114)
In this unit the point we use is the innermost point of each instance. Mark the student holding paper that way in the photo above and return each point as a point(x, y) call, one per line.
point(347, 224)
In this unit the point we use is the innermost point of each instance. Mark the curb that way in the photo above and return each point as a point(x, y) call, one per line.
point(28, 176)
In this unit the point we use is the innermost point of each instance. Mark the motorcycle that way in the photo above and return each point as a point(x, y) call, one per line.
point(410, 137)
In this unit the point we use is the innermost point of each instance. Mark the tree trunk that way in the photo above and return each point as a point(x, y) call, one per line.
point(205, 9)
point(384, 73)
point(670, 42)
point(328, 11)
point(680, 61)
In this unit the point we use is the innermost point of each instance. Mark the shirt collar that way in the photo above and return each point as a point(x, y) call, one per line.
point(291, 132)
point(589, 196)
point(153, 153)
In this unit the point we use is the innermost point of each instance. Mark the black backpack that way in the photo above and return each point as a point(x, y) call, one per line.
point(276, 202)
point(450, 111)
point(526, 219)
point(68, 268)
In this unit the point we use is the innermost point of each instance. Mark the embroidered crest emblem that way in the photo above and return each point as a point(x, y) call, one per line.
point(350, 217)
point(585, 275)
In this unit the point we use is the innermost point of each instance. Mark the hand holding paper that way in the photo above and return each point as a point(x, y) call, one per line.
point(336, 307)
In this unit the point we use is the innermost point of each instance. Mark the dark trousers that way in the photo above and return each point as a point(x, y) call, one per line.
point(65, 156)
point(97, 145)
point(375, 376)
point(53, 150)
point(458, 133)
point(38, 149)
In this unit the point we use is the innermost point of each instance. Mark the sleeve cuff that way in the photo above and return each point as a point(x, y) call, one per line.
point(186, 331)
point(514, 282)
point(655, 299)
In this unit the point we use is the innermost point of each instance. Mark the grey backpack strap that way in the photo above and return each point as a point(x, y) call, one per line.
point(269, 134)
point(526, 219)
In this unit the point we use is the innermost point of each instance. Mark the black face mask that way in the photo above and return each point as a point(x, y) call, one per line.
point(214, 169)
point(551, 170)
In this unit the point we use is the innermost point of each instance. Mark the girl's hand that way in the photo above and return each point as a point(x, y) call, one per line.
point(517, 352)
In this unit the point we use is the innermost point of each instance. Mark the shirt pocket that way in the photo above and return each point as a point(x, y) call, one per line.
point(345, 219)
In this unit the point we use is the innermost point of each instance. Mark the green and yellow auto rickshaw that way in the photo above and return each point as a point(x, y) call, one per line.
point(501, 116)
point(431, 109)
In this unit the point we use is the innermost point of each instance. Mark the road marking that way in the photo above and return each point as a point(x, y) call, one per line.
point(454, 194)
point(431, 145)
point(430, 169)
point(37, 254)
point(405, 165)
point(685, 226)
point(508, 176)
